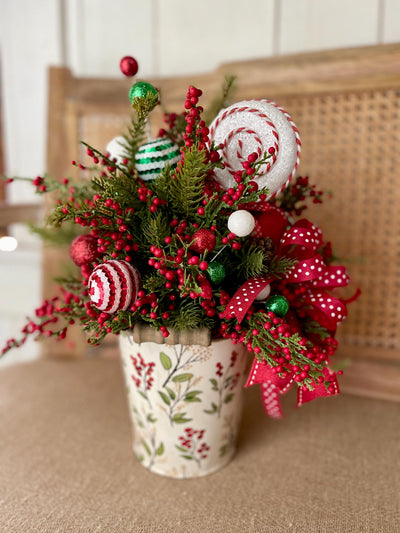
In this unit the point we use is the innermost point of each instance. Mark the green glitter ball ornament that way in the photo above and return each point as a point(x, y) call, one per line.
point(278, 304)
point(142, 89)
point(216, 272)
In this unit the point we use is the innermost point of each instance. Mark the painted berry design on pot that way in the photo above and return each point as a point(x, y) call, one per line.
point(143, 379)
point(225, 382)
point(190, 446)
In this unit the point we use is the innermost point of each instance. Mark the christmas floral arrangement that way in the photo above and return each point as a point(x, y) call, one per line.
point(201, 228)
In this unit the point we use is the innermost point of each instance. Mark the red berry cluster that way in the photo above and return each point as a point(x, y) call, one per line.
point(196, 129)
point(48, 314)
point(274, 334)
point(316, 354)
point(38, 182)
point(176, 127)
point(292, 198)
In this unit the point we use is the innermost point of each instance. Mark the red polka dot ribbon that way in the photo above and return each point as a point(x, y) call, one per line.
point(244, 298)
point(272, 386)
point(301, 242)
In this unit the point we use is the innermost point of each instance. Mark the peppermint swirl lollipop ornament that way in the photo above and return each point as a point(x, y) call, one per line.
point(256, 126)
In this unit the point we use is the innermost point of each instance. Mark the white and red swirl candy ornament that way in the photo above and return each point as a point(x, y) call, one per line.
point(113, 285)
point(256, 126)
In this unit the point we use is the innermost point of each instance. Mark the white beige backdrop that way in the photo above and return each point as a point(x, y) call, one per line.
point(168, 37)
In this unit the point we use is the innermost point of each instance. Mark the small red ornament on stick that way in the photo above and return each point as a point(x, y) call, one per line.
point(83, 249)
point(129, 66)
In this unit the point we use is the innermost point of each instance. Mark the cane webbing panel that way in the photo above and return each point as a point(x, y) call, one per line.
point(350, 146)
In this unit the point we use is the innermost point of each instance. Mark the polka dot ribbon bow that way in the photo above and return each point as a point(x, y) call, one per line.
point(300, 242)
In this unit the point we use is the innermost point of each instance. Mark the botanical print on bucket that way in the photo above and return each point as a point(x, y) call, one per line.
point(185, 403)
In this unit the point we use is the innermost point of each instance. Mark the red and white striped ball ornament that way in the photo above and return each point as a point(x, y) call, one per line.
point(256, 126)
point(113, 285)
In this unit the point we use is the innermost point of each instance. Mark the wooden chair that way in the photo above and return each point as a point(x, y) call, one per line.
point(346, 104)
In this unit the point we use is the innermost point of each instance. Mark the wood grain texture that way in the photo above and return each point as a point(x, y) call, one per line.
point(144, 333)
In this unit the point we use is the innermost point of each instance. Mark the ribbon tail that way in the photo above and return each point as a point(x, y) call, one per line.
point(352, 298)
point(271, 400)
point(305, 395)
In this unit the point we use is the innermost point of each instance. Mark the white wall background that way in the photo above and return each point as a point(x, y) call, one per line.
point(167, 37)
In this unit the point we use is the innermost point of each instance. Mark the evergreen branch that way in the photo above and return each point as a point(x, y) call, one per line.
point(189, 315)
point(251, 262)
point(187, 184)
point(134, 138)
point(156, 229)
point(279, 266)
point(311, 327)
point(105, 160)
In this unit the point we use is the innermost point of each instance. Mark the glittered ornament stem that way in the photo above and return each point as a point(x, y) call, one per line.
point(148, 130)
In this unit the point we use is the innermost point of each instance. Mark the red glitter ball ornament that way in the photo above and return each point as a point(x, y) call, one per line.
point(129, 66)
point(83, 249)
point(204, 240)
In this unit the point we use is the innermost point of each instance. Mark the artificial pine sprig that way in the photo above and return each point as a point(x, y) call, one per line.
point(281, 346)
point(186, 188)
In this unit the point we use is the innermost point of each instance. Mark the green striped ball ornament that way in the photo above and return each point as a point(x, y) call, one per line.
point(152, 157)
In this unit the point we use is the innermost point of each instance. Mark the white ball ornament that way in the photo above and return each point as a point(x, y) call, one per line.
point(263, 295)
point(241, 223)
point(257, 126)
point(116, 150)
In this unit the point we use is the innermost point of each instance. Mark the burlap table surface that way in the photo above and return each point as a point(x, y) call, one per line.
point(67, 464)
